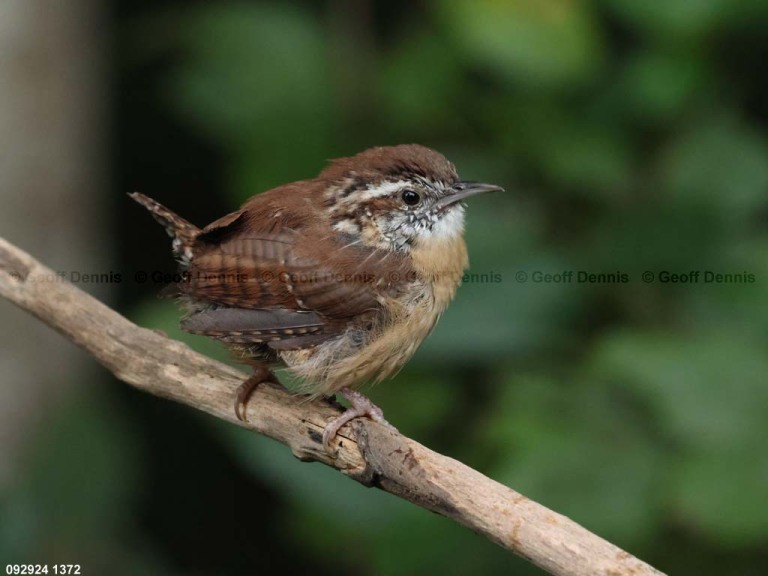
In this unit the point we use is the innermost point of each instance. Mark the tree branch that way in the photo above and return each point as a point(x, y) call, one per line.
point(367, 452)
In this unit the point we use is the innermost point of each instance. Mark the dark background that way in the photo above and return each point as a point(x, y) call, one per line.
point(631, 137)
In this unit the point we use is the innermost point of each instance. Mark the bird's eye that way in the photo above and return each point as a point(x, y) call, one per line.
point(410, 197)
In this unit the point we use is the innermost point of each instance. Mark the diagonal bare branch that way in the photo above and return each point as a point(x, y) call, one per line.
point(367, 452)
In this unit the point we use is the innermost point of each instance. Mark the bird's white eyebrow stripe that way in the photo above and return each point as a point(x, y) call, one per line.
point(383, 189)
point(388, 187)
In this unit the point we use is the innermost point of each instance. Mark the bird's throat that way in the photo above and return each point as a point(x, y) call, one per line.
point(441, 262)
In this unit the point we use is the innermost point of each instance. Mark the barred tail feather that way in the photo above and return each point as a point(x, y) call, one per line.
point(183, 232)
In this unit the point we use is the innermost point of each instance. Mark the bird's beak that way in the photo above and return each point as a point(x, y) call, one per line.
point(464, 190)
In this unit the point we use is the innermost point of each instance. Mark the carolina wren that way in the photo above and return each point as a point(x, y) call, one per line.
point(339, 278)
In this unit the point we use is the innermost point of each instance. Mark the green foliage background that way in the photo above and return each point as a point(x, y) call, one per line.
point(630, 136)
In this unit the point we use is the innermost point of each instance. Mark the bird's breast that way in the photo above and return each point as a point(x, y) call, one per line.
point(412, 316)
point(439, 267)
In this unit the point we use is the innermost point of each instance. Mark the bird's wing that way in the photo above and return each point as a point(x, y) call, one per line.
point(281, 283)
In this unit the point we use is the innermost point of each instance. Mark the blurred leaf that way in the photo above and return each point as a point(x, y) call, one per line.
point(420, 84)
point(584, 154)
point(672, 17)
point(658, 85)
point(256, 79)
point(707, 389)
point(721, 163)
point(537, 42)
point(576, 449)
point(573, 147)
point(655, 235)
point(721, 493)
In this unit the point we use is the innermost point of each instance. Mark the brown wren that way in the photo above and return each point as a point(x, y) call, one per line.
point(339, 278)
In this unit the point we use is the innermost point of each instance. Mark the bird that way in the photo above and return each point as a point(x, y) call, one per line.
point(338, 278)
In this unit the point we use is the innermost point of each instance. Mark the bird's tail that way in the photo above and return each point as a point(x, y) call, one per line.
point(183, 232)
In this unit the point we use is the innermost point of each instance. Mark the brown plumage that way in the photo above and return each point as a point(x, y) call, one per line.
point(339, 278)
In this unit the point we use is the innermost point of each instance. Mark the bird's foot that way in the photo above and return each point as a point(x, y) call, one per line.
point(247, 388)
point(360, 406)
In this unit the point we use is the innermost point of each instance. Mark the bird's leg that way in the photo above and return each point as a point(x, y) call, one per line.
point(360, 406)
point(260, 374)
